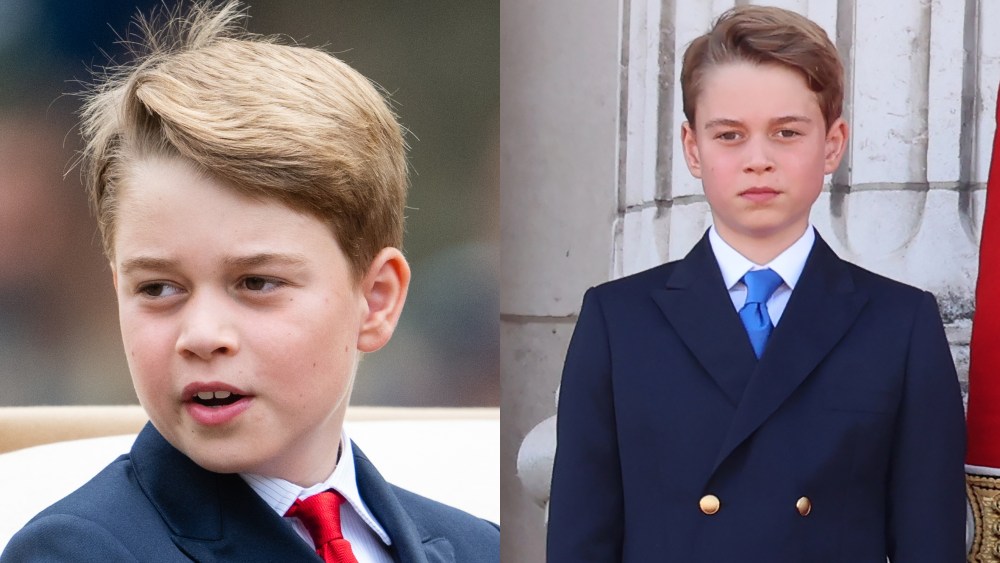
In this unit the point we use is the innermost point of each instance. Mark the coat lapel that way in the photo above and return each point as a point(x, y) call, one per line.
point(213, 517)
point(410, 545)
point(696, 302)
point(218, 518)
point(823, 306)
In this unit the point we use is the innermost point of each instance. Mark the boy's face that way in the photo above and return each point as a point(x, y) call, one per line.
point(761, 149)
point(242, 321)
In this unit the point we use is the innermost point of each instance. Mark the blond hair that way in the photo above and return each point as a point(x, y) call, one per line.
point(767, 35)
point(282, 122)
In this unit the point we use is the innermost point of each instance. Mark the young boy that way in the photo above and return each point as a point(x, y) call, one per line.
point(250, 198)
point(688, 429)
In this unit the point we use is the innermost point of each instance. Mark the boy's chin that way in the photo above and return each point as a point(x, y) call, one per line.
point(218, 464)
point(219, 455)
point(248, 453)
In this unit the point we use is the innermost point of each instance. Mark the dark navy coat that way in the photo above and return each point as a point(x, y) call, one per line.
point(844, 443)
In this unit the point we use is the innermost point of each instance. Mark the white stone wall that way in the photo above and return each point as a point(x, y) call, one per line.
point(595, 186)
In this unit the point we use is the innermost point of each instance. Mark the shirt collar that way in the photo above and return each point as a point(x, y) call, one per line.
point(280, 494)
point(788, 264)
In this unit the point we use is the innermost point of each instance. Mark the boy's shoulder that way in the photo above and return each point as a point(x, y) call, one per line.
point(693, 268)
point(638, 283)
point(442, 528)
point(878, 288)
point(699, 267)
point(106, 519)
point(471, 538)
point(880, 284)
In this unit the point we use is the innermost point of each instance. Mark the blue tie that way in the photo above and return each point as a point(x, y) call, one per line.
point(760, 285)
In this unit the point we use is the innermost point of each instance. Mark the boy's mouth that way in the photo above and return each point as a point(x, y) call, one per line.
point(212, 394)
point(216, 398)
point(759, 194)
point(213, 403)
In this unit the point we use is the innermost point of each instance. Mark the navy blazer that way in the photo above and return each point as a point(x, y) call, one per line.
point(155, 504)
point(854, 408)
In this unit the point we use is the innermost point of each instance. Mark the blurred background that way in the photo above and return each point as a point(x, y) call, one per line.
point(59, 336)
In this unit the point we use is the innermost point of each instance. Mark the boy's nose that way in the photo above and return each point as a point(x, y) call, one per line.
point(206, 331)
point(758, 159)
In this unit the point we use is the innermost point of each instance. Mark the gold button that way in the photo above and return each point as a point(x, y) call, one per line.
point(709, 504)
point(804, 506)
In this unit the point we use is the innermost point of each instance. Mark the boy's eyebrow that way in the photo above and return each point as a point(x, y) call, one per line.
point(249, 261)
point(722, 122)
point(791, 119)
point(726, 122)
point(145, 263)
point(266, 258)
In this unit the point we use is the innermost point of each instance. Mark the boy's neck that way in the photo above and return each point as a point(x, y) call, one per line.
point(761, 250)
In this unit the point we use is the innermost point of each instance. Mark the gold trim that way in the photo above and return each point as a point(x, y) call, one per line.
point(984, 498)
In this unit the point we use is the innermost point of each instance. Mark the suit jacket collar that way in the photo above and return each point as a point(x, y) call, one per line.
point(821, 310)
point(697, 304)
point(217, 517)
point(411, 543)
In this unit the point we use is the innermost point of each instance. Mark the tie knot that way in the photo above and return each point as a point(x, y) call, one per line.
point(320, 514)
point(761, 284)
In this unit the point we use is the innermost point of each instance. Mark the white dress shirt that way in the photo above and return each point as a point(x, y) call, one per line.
point(369, 541)
point(788, 265)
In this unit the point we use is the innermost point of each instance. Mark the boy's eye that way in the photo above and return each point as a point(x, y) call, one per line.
point(259, 283)
point(788, 133)
point(157, 289)
point(728, 136)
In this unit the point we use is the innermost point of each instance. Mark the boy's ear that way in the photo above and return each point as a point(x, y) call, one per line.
point(691, 155)
point(114, 277)
point(384, 289)
point(836, 145)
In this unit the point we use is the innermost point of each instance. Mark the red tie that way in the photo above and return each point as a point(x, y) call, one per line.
point(320, 514)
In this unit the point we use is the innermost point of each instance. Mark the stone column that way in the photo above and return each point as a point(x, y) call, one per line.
point(559, 88)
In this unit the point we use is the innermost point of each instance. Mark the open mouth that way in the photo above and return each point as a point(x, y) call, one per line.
point(216, 398)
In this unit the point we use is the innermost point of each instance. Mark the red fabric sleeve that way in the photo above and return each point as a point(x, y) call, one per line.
point(983, 416)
